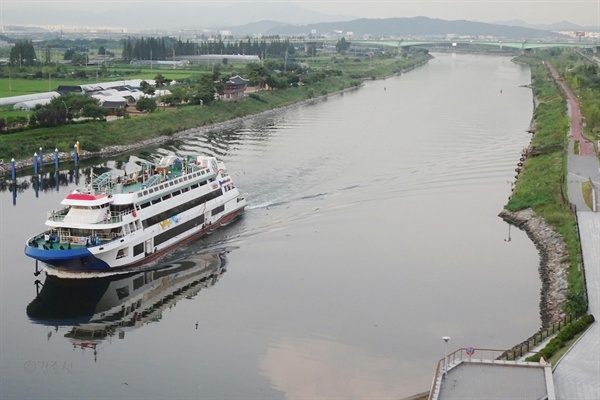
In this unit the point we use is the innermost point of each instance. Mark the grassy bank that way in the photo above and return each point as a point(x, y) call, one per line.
point(93, 136)
point(542, 183)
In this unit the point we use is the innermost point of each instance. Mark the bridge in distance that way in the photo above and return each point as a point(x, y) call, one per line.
point(517, 45)
point(524, 45)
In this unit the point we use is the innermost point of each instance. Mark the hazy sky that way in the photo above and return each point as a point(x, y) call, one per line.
point(581, 12)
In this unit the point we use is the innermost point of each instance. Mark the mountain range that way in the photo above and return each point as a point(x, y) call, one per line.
point(266, 18)
point(397, 27)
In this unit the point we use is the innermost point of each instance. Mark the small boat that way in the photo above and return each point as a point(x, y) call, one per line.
point(118, 220)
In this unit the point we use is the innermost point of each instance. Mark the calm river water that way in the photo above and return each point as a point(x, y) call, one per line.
point(371, 232)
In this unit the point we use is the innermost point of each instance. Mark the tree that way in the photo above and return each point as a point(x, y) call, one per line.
point(47, 54)
point(69, 54)
point(22, 54)
point(47, 117)
point(160, 80)
point(204, 91)
point(257, 74)
point(342, 45)
point(79, 59)
point(75, 105)
point(146, 104)
point(94, 111)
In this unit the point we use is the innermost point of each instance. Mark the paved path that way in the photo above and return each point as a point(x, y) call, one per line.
point(577, 375)
point(586, 148)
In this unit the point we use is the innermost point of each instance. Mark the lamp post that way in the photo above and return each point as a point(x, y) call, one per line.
point(66, 110)
point(445, 339)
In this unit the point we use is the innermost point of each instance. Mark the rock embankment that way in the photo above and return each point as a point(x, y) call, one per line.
point(554, 262)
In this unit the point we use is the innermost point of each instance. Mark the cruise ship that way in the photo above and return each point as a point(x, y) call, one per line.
point(120, 220)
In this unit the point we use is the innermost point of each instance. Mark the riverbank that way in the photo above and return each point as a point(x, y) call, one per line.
point(201, 127)
point(99, 138)
point(553, 265)
point(158, 140)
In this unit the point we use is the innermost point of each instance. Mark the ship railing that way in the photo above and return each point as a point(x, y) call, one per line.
point(57, 216)
point(116, 217)
point(91, 240)
point(112, 218)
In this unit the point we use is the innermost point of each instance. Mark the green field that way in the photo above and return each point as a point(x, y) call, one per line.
point(22, 86)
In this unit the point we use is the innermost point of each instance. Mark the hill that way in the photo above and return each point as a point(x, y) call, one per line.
point(416, 26)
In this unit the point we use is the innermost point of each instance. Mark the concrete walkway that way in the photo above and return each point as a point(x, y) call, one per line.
point(577, 375)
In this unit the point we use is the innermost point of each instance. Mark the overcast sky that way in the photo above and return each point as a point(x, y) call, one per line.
point(581, 12)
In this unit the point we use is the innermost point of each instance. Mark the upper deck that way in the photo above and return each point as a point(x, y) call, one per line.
point(171, 169)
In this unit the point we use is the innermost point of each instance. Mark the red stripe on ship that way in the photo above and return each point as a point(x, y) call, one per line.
point(78, 196)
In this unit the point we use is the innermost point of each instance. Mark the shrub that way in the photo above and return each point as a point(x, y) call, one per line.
point(567, 333)
point(254, 96)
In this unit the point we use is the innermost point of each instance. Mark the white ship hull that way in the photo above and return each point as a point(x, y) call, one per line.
point(107, 227)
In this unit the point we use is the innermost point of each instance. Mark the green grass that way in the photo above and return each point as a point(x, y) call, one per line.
point(542, 184)
point(563, 350)
point(586, 189)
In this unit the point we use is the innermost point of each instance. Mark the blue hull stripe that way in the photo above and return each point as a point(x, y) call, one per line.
point(68, 260)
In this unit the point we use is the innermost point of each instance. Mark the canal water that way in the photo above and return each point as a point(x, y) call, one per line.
point(371, 232)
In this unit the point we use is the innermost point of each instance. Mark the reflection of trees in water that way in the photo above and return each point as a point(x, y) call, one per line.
point(49, 181)
point(213, 143)
point(7, 186)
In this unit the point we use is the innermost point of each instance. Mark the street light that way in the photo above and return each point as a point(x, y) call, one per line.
point(66, 110)
point(445, 339)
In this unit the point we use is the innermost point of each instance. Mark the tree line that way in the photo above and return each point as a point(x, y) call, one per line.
point(166, 48)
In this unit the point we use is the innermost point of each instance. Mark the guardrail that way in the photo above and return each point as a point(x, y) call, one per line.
point(463, 354)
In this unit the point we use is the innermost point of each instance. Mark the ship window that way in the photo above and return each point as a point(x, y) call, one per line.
point(181, 208)
point(145, 192)
point(122, 253)
point(177, 193)
point(138, 249)
point(138, 283)
point(122, 292)
point(171, 183)
point(194, 186)
point(218, 210)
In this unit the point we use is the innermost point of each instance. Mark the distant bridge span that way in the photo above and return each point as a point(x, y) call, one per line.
point(517, 45)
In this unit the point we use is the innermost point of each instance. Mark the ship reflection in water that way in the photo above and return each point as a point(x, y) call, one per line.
point(98, 309)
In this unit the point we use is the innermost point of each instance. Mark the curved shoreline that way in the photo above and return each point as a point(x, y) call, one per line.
point(553, 265)
point(21, 164)
point(158, 140)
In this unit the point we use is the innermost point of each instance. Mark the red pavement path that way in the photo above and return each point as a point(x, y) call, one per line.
point(586, 148)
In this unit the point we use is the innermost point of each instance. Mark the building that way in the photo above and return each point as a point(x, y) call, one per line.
point(235, 88)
